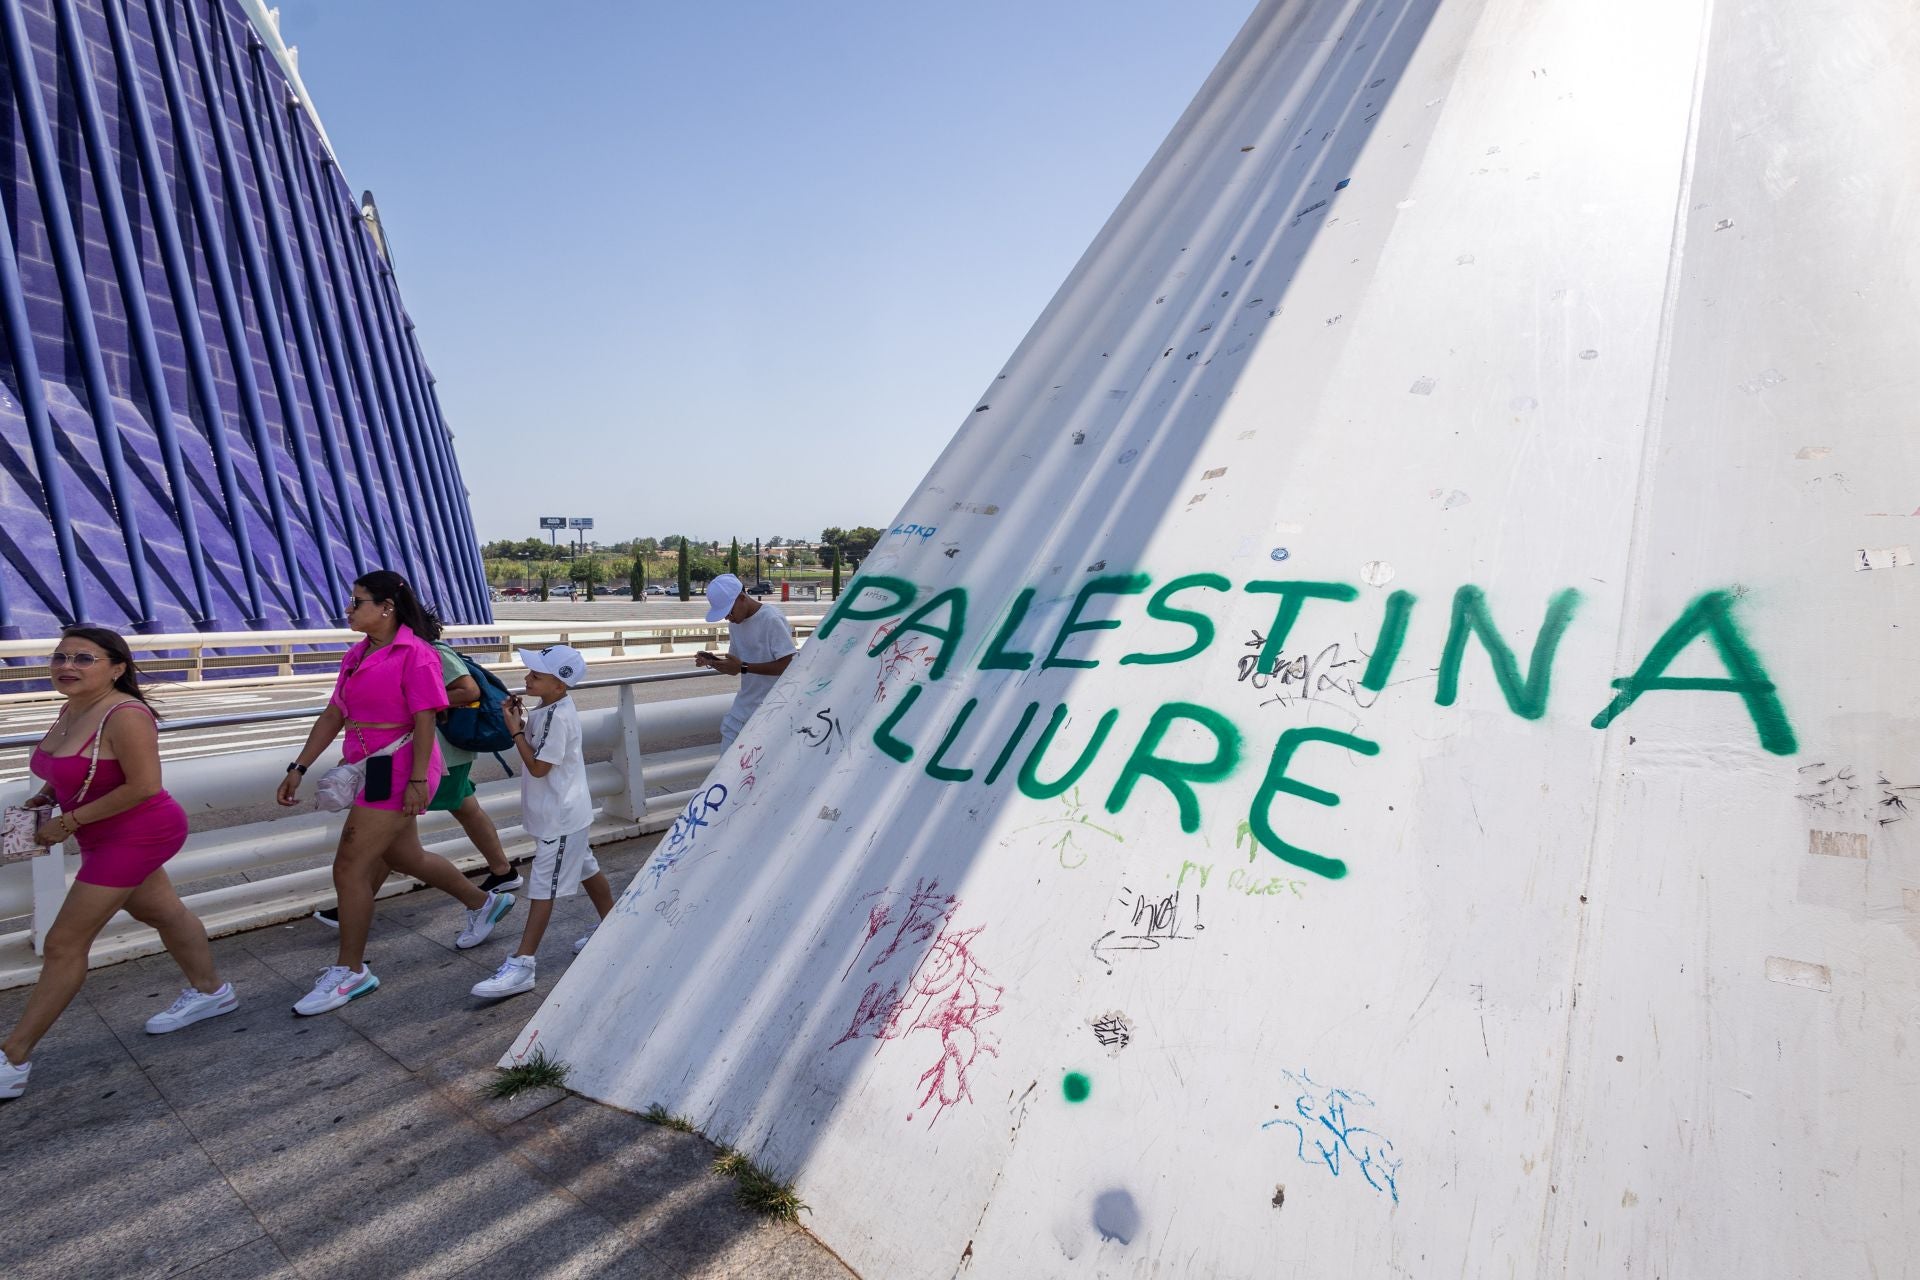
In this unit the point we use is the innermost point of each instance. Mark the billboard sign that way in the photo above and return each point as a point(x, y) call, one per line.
point(553, 522)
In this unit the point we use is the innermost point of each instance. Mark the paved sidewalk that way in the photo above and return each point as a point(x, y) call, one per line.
point(355, 1144)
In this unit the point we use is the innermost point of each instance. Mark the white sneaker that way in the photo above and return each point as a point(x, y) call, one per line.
point(514, 975)
point(193, 1006)
point(580, 944)
point(481, 919)
point(13, 1080)
point(336, 987)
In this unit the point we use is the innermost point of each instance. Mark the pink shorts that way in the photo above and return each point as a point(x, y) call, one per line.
point(402, 771)
point(122, 851)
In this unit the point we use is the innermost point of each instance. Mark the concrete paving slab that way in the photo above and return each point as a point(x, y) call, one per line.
point(133, 1198)
point(798, 1256)
point(215, 1058)
point(260, 1260)
point(582, 1246)
point(397, 1185)
point(83, 1081)
point(327, 1083)
point(655, 1182)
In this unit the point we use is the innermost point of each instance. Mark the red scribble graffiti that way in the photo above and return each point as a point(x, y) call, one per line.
point(749, 761)
point(902, 656)
point(948, 992)
point(956, 996)
point(927, 911)
point(878, 1015)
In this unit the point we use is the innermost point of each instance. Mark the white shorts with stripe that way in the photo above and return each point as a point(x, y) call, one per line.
point(560, 865)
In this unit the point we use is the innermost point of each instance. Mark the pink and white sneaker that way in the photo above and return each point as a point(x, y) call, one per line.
point(337, 986)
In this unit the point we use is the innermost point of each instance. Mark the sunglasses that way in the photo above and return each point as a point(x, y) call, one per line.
point(82, 660)
point(356, 601)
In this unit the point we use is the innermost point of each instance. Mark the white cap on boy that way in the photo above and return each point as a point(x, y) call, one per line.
point(561, 661)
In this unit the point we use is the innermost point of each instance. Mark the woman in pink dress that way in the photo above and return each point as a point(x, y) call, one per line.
point(387, 699)
point(101, 764)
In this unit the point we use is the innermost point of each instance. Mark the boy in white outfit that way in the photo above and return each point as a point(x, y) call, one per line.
point(555, 808)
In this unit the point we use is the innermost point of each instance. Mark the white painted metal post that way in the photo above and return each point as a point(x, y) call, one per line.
point(631, 803)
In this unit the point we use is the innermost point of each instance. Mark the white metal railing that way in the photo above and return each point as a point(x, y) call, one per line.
point(634, 732)
point(285, 653)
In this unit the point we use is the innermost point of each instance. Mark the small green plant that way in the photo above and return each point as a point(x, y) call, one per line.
point(657, 1114)
point(537, 1072)
point(756, 1189)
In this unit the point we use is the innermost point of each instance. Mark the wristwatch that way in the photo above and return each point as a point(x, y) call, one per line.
point(297, 767)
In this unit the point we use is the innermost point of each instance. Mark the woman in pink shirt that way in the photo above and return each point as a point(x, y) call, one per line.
point(386, 699)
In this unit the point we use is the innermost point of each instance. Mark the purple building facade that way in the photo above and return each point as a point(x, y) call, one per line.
point(215, 414)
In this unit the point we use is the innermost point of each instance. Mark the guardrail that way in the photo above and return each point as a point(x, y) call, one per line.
point(635, 733)
point(285, 652)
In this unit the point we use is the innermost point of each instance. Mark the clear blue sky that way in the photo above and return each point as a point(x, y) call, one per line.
point(735, 269)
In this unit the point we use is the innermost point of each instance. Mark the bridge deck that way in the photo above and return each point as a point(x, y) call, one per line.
point(356, 1143)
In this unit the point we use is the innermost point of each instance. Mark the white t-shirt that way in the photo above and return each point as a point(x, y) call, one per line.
point(765, 637)
point(558, 804)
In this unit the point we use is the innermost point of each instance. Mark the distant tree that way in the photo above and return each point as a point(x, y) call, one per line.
point(776, 540)
point(733, 558)
point(586, 569)
point(833, 557)
point(859, 543)
point(637, 577)
point(646, 546)
point(686, 580)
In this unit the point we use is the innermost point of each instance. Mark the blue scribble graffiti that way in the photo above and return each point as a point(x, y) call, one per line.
point(685, 827)
point(1320, 1117)
point(920, 531)
point(679, 842)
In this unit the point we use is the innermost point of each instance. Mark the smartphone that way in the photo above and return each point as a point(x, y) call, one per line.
point(379, 778)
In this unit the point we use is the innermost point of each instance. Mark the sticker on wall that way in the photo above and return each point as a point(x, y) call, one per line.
point(1376, 573)
point(1882, 558)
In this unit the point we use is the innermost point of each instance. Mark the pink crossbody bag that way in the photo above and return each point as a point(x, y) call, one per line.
point(19, 823)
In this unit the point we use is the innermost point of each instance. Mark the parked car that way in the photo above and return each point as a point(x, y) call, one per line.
point(761, 588)
point(617, 591)
point(656, 590)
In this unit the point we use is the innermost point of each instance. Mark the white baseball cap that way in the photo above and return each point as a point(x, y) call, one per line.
point(561, 661)
point(721, 593)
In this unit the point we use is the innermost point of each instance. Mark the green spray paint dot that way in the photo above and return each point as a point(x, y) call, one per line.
point(1076, 1087)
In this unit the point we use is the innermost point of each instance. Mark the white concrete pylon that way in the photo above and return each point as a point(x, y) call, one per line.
point(1384, 745)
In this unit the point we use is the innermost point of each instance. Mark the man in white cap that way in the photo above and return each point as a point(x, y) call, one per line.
point(759, 647)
